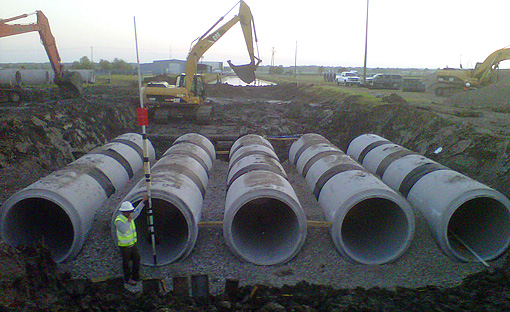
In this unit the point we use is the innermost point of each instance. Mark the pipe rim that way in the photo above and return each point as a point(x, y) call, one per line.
point(278, 195)
point(455, 210)
point(398, 204)
point(57, 201)
point(175, 201)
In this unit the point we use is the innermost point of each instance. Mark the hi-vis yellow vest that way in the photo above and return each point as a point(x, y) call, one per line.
point(129, 238)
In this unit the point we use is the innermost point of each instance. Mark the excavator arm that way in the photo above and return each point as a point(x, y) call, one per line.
point(207, 40)
point(483, 70)
point(69, 82)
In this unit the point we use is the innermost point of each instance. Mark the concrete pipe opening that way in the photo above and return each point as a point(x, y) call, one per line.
point(483, 224)
point(172, 232)
point(33, 220)
point(374, 231)
point(258, 238)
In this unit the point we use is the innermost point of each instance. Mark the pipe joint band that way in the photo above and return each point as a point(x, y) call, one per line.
point(416, 174)
point(388, 160)
point(253, 167)
point(119, 158)
point(308, 144)
point(369, 148)
point(96, 174)
point(178, 168)
point(131, 144)
point(318, 157)
point(197, 144)
point(331, 172)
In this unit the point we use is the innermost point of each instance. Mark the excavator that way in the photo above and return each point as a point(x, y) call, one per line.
point(187, 97)
point(70, 83)
point(450, 81)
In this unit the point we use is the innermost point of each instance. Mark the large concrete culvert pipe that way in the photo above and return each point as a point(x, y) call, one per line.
point(469, 219)
point(36, 77)
point(178, 183)
point(10, 77)
point(59, 209)
point(264, 222)
point(371, 224)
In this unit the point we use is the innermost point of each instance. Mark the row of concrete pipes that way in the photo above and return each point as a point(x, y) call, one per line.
point(366, 195)
point(38, 76)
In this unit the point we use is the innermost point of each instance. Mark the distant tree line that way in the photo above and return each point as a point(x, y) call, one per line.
point(116, 65)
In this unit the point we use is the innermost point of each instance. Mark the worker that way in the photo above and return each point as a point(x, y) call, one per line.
point(126, 239)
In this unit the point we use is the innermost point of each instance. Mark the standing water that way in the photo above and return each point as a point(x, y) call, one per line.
point(235, 81)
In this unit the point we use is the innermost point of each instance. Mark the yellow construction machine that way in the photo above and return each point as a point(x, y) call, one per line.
point(187, 97)
point(450, 81)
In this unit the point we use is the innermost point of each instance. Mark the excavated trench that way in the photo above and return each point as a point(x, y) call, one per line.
point(470, 145)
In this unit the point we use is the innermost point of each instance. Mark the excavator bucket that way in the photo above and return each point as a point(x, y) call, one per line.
point(245, 72)
point(70, 83)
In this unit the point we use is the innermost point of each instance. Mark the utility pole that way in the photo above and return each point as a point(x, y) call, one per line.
point(366, 45)
point(295, 68)
point(272, 58)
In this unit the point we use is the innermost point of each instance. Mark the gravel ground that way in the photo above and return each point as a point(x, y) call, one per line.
point(318, 262)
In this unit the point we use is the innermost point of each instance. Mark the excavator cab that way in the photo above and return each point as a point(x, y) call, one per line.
point(197, 87)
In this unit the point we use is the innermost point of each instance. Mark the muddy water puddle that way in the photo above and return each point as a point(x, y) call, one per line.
point(235, 81)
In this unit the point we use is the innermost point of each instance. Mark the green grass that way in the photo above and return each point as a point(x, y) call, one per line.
point(327, 89)
point(372, 97)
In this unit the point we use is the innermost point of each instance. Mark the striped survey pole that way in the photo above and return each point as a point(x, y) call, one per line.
point(143, 120)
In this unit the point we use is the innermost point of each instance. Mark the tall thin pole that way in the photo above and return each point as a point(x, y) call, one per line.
point(295, 68)
point(366, 46)
point(146, 159)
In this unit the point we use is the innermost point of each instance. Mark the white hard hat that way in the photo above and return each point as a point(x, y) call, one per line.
point(126, 206)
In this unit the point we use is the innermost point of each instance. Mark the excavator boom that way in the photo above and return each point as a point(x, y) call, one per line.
point(69, 82)
point(187, 97)
point(207, 40)
point(483, 70)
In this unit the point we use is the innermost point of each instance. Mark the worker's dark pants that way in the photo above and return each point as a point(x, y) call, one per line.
point(130, 254)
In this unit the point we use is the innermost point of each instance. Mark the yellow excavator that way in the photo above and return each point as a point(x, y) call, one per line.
point(450, 81)
point(187, 97)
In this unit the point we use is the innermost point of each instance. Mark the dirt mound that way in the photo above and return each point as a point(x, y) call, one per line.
point(495, 97)
point(394, 99)
point(30, 281)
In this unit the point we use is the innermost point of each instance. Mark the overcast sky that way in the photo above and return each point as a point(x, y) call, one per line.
point(402, 33)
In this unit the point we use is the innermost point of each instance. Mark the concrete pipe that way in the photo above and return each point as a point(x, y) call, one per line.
point(469, 219)
point(255, 149)
point(254, 162)
point(246, 140)
point(199, 140)
point(371, 224)
point(264, 222)
point(35, 77)
point(10, 77)
point(178, 184)
point(59, 209)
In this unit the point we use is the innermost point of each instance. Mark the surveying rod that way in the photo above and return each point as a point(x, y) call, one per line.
point(143, 121)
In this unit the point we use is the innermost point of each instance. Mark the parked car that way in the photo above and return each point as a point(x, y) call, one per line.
point(348, 79)
point(385, 81)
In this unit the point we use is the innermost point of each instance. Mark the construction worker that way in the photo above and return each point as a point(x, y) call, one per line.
point(126, 239)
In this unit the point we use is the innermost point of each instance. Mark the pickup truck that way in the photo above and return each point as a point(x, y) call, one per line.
point(348, 79)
